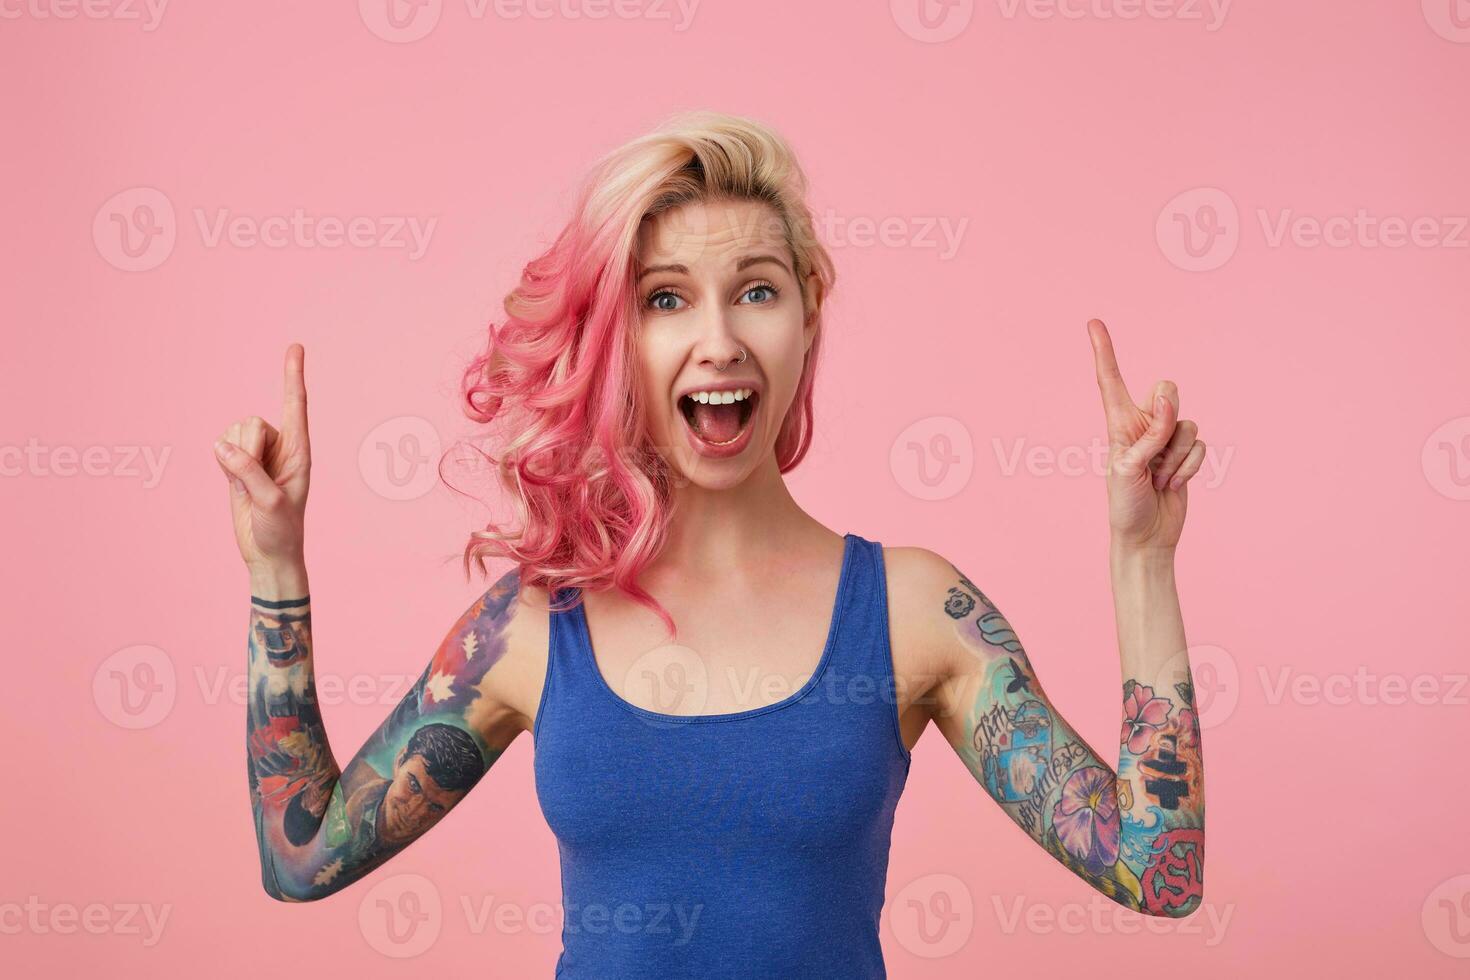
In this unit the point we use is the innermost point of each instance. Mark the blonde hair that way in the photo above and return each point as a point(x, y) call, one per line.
point(592, 495)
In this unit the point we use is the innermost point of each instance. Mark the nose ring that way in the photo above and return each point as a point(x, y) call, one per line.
point(743, 356)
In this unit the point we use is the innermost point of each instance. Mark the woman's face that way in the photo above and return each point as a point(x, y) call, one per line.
point(717, 277)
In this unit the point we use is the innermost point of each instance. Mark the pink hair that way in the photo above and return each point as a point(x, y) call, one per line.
point(592, 494)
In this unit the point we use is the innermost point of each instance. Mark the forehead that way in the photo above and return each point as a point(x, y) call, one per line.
point(710, 233)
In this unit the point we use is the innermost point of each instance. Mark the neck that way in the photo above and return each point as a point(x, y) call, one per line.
point(735, 529)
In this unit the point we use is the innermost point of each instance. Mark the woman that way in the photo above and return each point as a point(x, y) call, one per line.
point(723, 803)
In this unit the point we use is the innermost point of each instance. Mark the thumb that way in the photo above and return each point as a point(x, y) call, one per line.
point(247, 469)
point(1154, 439)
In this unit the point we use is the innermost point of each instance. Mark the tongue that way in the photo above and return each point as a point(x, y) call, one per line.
point(717, 423)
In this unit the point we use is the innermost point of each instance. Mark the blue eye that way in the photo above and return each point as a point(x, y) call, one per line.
point(764, 287)
point(667, 301)
point(655, 300)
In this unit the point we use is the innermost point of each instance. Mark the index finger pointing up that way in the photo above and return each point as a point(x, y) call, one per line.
point(293, 411)
point(1116, 402)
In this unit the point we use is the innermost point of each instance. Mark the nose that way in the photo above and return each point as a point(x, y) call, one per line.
point(718, 347)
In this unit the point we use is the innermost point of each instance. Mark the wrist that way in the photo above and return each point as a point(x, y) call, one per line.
point(278, 581)
point(1127, 556)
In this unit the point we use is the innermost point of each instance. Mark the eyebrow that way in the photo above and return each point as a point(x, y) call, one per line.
point(745, 262)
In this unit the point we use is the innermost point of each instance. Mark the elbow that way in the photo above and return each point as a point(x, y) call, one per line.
point(293, 897)
point(1173, 884)
point(287, 892)
point(273, 889)
point(1176, 905)
point(276, 893)
point(1183, 911)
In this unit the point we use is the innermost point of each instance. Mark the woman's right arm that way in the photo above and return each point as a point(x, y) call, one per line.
point(320, 827)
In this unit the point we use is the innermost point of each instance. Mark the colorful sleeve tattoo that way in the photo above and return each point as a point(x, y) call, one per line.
point(1137, 833)
point(319, 828)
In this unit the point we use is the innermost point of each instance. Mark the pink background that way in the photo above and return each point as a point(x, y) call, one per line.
point(1325, 546)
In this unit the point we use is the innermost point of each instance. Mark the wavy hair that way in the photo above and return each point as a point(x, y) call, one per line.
point(591, 494)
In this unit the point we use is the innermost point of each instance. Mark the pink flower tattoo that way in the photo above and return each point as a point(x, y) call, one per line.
point(1146, 714)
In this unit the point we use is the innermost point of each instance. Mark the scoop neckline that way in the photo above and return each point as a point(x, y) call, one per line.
point(839, 603)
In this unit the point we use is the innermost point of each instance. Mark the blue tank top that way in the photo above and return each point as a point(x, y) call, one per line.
point(751, 844)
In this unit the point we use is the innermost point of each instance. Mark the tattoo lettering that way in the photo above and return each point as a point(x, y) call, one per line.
point(1136, 833)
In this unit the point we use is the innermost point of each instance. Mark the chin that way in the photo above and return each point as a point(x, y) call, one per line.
point(692, 468)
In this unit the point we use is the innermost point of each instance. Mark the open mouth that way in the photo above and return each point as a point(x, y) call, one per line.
point(719, 418)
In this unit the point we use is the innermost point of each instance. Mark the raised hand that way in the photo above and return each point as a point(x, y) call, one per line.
point(269, 472)
point(1152, 453)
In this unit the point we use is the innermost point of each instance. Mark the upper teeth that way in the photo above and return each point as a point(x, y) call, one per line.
point(721, 397)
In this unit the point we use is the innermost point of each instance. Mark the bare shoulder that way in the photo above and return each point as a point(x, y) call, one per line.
point(506, 629)
point(526, 618)
point(926, 595)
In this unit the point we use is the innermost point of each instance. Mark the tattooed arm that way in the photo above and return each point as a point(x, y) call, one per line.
point(320, 828)
point(1134, 832)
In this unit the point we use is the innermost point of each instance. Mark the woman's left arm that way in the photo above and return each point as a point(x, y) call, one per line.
point(1134, 832)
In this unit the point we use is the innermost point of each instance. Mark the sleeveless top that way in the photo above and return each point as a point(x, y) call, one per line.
point(750, 844)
